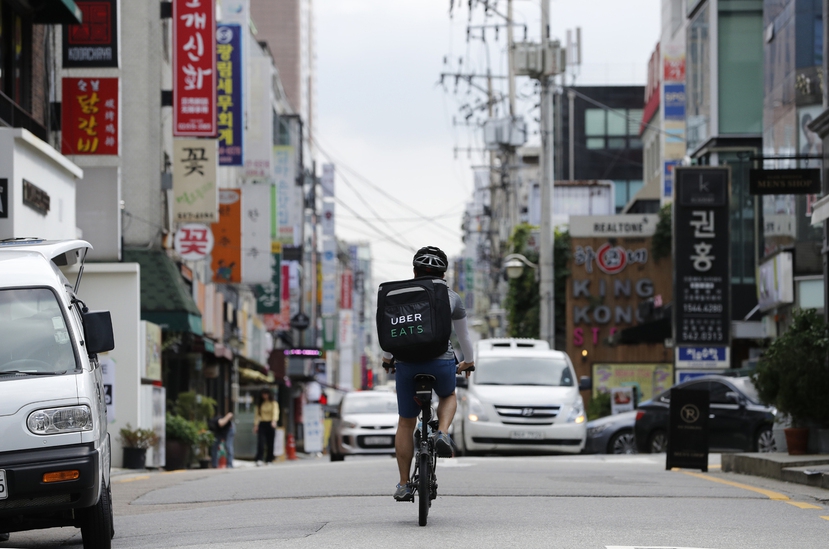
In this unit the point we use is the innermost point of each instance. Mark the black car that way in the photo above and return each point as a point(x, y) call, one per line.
point(738, 421)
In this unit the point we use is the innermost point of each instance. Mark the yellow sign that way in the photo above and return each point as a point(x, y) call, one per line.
point(649, 379)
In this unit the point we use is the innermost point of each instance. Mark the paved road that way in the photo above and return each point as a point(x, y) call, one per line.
point(554, 501)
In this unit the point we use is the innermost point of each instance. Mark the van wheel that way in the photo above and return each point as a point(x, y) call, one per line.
point(96, 523)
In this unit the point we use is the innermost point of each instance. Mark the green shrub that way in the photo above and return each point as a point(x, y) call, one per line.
point(793, 374)
point(137, 438)
point(182, 429)
point(599, 406)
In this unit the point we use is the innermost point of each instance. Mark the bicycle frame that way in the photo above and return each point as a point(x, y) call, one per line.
point(424, 447)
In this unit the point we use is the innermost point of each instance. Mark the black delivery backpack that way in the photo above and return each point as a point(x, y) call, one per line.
point(414, 318)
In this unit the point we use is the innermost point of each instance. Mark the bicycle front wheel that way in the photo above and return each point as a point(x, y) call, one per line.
point(423, 491)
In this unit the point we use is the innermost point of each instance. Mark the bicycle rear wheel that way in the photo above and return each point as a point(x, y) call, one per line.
point(423, 488)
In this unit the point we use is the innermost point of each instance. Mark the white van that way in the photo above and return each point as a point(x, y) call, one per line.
point(54, 445)
point(522, 397)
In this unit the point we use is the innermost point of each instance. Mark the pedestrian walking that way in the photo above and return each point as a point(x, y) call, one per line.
point(264, 426)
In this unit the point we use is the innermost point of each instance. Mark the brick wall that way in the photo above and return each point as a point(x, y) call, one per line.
point(39, 85)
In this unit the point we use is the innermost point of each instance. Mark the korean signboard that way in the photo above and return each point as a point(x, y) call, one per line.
point(290, 207)
point(649, 380)
point(227, 251)
point(195, 192)
point(89, 116)
point(701, 245)
point(93, 43)
point(194, 68)
point(259, 129)
point(231, 115)
point(267, 295)
point(193, 241)
point(256, 234)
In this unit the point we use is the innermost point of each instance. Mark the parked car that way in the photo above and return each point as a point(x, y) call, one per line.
point(522, 397)
point(364, 423)
point(611, 434)
point(54, 448)
point(738, 421)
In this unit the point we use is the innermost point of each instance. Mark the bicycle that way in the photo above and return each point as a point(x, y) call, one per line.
point(424, 480)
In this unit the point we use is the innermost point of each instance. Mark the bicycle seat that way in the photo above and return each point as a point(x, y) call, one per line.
point(423, 385)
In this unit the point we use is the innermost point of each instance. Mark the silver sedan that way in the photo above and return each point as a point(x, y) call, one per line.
point(365, 423)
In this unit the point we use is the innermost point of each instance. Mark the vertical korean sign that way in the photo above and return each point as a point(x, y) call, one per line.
point(195, 192)
point(227, 249)
point(89, 116)
point(702, 323)
point(256, 234)
point(194, 68)
point(229, 109)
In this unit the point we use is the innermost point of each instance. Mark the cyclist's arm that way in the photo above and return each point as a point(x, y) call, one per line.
point(462, 332)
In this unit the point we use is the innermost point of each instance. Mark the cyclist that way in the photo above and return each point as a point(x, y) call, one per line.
point(429, 261)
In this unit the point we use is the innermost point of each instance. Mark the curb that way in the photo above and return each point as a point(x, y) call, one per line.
point(810, 470)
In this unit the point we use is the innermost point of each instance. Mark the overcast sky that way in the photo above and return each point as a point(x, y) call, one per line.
point(388, 126)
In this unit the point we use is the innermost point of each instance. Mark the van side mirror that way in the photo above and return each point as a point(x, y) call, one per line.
point(585, 383)
point(461, 381)
point(97, 332)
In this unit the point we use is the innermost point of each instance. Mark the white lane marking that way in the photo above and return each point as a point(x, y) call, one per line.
point(647, 547)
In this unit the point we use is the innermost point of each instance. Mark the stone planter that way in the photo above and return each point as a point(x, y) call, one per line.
point(135, 458)
point(797, 440)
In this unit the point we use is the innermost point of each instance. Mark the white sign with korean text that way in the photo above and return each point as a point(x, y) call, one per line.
point(193, 241)
point(108, 375)
point(289, 195)
point(195, 192)
point(312, 428)
point(259, 126)
point(256, 234)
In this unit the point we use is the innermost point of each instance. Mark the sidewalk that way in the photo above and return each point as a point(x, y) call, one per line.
point(811, 470)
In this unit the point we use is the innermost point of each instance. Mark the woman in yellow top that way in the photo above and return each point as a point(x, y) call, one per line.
point(264, 426)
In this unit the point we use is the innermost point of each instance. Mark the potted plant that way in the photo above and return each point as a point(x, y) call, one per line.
point(204, 441)
point(135, 443)
point(182, 435)
point(793, 376)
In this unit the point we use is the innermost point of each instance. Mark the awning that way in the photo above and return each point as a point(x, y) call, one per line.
point(56, 12)
point(165, 298)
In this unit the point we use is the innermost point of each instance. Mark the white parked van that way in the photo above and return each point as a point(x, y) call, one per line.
point(54, 445)
point(522, 397)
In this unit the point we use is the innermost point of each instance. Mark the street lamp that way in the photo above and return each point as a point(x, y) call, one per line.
point(514, 265)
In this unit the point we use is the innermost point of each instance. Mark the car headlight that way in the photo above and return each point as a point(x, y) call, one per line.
point(349, 425)
point(55, 421)
point(597, 430)
point(576, 414)
point(475, 410)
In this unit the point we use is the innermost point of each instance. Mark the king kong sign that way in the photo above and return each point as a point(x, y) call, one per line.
point(612, 273)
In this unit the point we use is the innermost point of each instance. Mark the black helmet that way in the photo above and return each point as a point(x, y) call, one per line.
point(430, 259)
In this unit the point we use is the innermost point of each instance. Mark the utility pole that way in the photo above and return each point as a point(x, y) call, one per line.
point(512, 189)
point(546, 257)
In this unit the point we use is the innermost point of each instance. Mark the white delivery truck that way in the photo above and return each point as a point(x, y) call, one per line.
point(54, 445)
point(522, 397)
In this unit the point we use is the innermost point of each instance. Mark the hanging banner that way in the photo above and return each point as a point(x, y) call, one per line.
point(256, 234)
point(259, 129)
point(194, 68)
point(702, 244)
point(227, 252)
point(89, 116)
point(93, 43)
point(195, 193)
point(329, 276)
point(329, 333)
point(289, 196)
point(229, 104)
point(346, 290)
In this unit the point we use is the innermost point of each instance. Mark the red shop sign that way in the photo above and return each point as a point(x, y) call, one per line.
point(89, 116)
point(194, 68)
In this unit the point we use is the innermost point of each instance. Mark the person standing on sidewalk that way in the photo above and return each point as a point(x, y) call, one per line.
point(224, 429)
point(264, 426)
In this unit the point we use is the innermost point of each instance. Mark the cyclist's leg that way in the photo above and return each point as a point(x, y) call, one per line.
point(445, 389)
point(408, 411)
point(404, 446)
